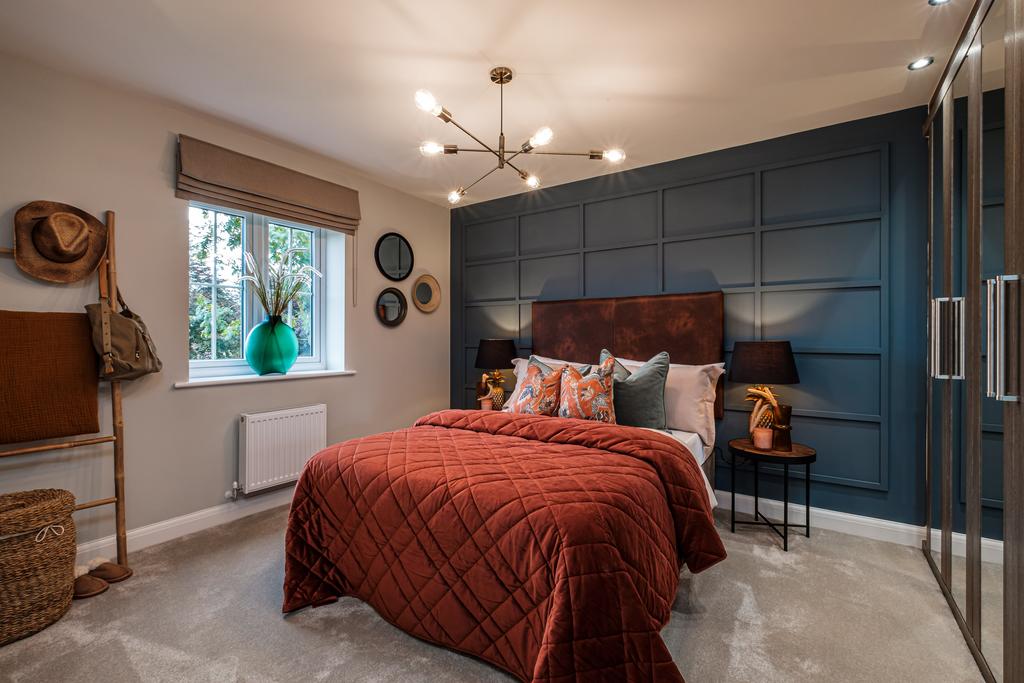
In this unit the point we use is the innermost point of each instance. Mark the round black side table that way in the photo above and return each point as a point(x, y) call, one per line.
point(800, 455)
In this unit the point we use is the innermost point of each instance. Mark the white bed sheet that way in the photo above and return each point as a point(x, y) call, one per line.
point(700, 451)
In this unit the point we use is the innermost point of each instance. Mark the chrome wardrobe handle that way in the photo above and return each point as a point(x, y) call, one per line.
point(1000, 337)
point(948, 316)
point(990, 337)
point(934, 343)
point(958, 322)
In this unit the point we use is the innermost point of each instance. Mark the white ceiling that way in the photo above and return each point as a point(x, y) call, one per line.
point(662, 80)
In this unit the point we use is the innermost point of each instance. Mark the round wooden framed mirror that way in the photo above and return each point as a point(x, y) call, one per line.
point(394, 256)
point(426, 293)
point(391, 307)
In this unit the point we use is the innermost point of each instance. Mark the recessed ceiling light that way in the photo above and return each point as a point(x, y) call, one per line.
point(933, 3)
point(919, 64)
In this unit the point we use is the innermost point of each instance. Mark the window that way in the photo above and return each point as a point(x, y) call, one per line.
point(223, 308)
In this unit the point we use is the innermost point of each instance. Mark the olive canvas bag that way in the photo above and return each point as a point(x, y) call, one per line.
point(122, 341)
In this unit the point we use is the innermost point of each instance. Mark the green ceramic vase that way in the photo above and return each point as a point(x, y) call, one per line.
point(271, 347)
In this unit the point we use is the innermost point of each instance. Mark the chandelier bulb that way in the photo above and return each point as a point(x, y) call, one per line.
point(455, 196)
point(532, 181)
point(427, 102)
point(542, 137)
point(431, 149)
point(613, 155)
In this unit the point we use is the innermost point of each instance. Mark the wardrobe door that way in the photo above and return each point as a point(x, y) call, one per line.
point(960, 310)
point(988, 506)
point(936, 382)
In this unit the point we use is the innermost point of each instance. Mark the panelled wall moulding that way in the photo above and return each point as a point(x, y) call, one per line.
point(800, 245)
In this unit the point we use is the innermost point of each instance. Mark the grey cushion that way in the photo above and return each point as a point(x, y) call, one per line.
point(639, 396)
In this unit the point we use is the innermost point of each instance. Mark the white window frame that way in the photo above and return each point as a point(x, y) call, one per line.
point(255, 239)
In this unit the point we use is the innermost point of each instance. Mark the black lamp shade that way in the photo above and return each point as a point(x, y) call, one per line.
point(763, 362)
point(495, 354)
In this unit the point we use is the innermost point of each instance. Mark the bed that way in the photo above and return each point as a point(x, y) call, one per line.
point(549, 547)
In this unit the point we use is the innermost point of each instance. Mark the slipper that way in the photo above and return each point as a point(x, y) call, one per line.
point(87, 586)
point(111, 572)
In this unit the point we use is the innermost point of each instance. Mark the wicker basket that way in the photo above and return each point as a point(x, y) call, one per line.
point(37, 560)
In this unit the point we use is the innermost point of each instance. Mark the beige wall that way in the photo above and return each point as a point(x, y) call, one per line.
point(75, 141)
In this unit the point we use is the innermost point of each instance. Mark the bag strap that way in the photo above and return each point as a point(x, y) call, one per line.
point(120, 300)
point(108, 353)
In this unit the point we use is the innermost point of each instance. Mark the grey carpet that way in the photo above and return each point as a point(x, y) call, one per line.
point(207, 608)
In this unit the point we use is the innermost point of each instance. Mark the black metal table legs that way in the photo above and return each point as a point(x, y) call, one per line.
point(759, 518)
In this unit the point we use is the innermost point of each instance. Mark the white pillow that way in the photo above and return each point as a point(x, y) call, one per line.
point(689, 396)
point(519, 366)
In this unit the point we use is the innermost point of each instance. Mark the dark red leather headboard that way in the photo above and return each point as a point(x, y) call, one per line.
point(691, 327)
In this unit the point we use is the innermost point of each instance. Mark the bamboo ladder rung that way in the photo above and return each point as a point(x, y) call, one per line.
point(58, 446)
point(96, 503)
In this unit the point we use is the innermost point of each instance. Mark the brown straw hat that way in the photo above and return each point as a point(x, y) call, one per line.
point(57, 242)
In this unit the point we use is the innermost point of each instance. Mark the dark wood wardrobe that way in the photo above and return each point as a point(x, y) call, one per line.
point(974, 472)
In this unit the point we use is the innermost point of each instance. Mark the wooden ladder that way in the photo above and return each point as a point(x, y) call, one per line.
point(108, 290)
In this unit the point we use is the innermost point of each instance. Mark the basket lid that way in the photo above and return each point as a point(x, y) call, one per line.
point(23, 511)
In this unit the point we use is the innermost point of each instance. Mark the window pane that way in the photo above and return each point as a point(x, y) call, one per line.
point(200, 245)
point(229, 248)
point(229, 323)
point(199, 322)
point(300, 314)
point(277, 239)
point(301, 321)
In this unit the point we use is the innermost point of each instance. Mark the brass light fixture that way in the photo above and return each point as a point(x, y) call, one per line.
point(500, 75)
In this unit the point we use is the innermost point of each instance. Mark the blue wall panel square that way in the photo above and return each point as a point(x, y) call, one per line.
point(834, 319)
point(499, 321)
point(739, 317)
point(491, 281)
point(548, 231)
point(822, 253)
point(622, 272)
point(705, 207)
point(837, 383)
point(554, 277)
point(709, 263)
point(833, 187)
point(848, 452)
point(494, 239)
point(621, 221)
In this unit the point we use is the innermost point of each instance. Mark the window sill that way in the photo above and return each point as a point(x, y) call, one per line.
point(250, 379)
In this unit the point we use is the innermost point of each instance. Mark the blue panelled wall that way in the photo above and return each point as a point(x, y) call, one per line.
point(817, 237)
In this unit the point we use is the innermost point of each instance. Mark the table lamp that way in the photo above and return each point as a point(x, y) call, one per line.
point(763, 363)
point(493, 355)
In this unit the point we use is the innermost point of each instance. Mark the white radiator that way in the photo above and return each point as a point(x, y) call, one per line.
point(273, 447)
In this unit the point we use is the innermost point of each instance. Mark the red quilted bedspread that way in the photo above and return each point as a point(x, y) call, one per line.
point(546, 546)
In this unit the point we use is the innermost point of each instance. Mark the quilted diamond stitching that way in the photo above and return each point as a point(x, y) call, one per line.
point(528, 541)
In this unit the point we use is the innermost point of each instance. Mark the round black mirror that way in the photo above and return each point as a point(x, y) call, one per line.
point(426, 293)
point(391, 307)
point(394, 256)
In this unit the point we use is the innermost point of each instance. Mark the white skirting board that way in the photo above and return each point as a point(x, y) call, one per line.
point(169, 529)
point(857, 525)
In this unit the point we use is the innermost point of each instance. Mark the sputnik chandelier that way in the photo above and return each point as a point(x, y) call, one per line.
point(500, 75)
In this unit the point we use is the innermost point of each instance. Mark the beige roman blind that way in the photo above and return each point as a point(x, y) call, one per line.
point(209, 173)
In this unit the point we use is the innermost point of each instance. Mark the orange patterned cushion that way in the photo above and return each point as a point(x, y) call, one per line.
point(539, 393)
point(588, 397)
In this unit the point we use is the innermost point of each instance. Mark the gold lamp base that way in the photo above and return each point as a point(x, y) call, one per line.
point(491, 389)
